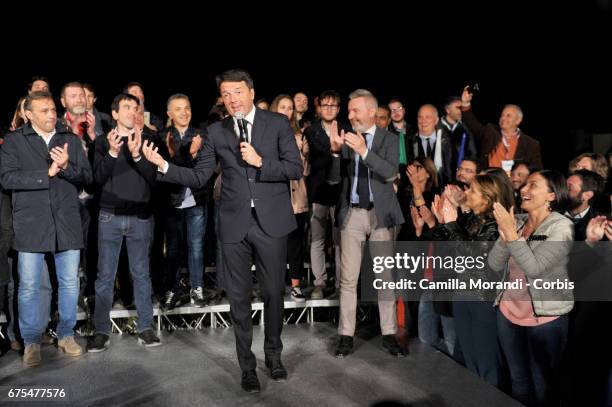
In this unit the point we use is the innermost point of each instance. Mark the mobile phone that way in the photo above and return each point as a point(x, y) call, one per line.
point(147, 118)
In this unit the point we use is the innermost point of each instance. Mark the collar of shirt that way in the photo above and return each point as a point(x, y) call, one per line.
point(250, 117)
point(449, 126)
point(47, 139)
point(431, 137)
point(370, 131)
point(517, 133)
point(578, 215)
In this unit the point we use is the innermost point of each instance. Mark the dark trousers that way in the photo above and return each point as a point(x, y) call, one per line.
point(296, 247)
point(476, 328)
point(534, 356)
point(270, 255)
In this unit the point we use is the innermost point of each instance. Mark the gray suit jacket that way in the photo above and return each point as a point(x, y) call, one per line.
point(383, 162)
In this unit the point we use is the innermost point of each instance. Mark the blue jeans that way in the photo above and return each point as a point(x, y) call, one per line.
point(138, 235)
point(534, 356)
point(476, 327)
point(434, 329)
point(30, 268)
point(186, 227)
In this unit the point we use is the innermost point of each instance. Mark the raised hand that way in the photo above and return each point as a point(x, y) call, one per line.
point(60, 156)
point(150, 152)
point(135, 142)
point(196, 144)
point(466, 97)
point(336, 139)
point(596, 229)
point(436, 208)
point(427, 216)
point(506, 224)
point(417, 220)
point(356, 142)
point(115, 142)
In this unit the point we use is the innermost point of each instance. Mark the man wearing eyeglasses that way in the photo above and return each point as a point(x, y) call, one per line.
point(322, 195)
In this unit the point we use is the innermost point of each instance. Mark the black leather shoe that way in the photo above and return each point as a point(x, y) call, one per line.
point(250, 383)
point(394, 348)
point(277, 370)
point(345, 346)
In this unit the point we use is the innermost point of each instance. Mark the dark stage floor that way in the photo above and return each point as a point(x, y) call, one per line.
point(199, 368)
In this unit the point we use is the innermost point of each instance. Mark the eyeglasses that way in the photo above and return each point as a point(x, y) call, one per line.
point(397, 109)
point(331, 107)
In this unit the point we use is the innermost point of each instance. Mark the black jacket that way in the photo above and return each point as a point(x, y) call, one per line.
point(455, 136)
point(268, 186)
point(472, 236)
point(126, 184)
point(319, 191)
point(45, 210)
point(182, 158)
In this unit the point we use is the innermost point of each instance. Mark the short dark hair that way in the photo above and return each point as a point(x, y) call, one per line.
point(38, 78)
point(395, 101)
point(235, 75)
point(88, 87)
point(518, 163)
point(329, 94)
point(472, 160)
point(450, 100)
point(38, 95)
point(121, 97)
point(131, 84)
point(557, 184)
point(385, 108)
point(73, 84)
point(591, 181)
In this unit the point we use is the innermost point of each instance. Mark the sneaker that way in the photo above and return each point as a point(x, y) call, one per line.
point(173, 300)
point(148, 338)
point(31, 355)
point(296, 295)
point(197, 297)
point(317, 293)
point(99, 343)
point(69, 346)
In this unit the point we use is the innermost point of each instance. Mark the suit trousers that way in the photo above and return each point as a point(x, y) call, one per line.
point(359, 226)
point(269, 254)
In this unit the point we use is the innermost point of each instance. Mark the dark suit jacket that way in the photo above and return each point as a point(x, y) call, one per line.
point(319, 191)
point(268, 186)
point(382, 160)
point(489, 136)
point(446, 173)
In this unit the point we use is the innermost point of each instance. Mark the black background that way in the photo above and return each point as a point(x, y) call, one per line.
point(553, 61)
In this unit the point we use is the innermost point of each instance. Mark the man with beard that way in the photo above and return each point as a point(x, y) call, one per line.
point(583, 186)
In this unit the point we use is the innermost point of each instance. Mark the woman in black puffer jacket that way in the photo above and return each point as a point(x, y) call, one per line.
point(475, 319)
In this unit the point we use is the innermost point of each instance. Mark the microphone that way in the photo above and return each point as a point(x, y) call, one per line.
point(242, 126)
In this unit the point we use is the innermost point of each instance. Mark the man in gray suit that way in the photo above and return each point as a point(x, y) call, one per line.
point(365, 163)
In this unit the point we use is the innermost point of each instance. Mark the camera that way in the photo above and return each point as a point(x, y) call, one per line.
point(473, 87)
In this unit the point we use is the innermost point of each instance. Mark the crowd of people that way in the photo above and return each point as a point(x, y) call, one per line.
point(87, 196)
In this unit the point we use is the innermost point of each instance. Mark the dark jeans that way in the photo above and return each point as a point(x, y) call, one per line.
point(534, 356)
point(476, 328)
point(185, 229)
point(270, 255)
point(296, 247)
point(138, 235)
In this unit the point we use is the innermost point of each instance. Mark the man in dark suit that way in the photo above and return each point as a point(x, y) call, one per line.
point(431, 142)
point(365, 164)
point(255, 211)
point(500, 146)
